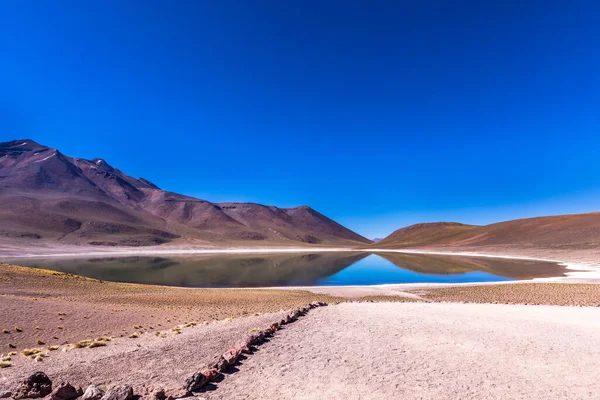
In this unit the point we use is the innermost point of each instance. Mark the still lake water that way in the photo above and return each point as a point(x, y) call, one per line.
point(289, 269)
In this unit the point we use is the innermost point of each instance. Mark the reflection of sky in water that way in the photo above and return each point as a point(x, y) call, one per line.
point(374, 270)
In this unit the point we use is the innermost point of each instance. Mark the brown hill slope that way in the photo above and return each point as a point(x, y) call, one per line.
point(47, 196)
point(561, 232)
point(423, 234)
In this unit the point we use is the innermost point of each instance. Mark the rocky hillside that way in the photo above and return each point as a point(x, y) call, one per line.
point(48, 196)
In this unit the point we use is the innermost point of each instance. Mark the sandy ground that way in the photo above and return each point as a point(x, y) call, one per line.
point(426, 351)
point(57, 308)
point(143, 362)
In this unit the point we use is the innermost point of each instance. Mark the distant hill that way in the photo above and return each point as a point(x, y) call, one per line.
point(50, 197)
point(561, 232)
point(423, 234)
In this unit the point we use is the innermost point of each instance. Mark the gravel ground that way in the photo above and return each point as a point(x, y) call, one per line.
point(426, 351)
point(142, 362)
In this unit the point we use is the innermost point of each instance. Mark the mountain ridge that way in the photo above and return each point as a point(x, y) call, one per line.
point(48, 195)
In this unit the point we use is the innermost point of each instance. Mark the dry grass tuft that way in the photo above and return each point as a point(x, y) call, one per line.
point(31, 352)
point(5, 364)
point(134, 335)
point(96, 344)
point(81, 344)
point(53, 348)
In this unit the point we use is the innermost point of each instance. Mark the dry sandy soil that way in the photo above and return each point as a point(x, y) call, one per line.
point(426, 351)
point(58, 308)
point(144, 362)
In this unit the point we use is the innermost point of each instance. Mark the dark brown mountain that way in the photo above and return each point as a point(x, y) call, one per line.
point(48, 196)
point(561, 232)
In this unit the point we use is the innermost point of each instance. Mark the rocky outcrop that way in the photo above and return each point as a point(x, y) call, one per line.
point(35, 386)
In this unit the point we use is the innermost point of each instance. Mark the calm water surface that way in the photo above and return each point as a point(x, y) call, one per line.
point(318, 269)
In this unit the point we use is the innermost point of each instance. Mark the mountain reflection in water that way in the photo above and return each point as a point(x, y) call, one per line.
point(295, 269)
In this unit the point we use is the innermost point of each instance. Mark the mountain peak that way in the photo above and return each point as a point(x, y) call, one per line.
point(100, 162)
point(21, 146)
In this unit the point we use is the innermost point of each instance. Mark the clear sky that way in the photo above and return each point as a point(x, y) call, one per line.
point(377, 114)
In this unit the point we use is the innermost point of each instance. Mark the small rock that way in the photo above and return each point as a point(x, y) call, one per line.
point(231, 356)
point(64, 391)
point(195, 382)
point(256, 338)
point(158, 394)
point(93, 393)
point(211, 374)
point(5, 395)
point(244, 349)
point(218, 363)
point(121, 392)
point(36, 385)
point(222, 364)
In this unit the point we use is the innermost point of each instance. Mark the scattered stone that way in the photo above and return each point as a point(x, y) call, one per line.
point(243, 348)
point(222, 364)
point(93, 393)
point(195, 382)
point(35, 386)
point(256, 338)
point(64, 391)
point(158, 394)
point(121, 392)
point(5, 395)
point(211, 374)
point(231, 356)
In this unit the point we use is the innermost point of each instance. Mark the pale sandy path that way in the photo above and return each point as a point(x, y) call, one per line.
point(426, 351)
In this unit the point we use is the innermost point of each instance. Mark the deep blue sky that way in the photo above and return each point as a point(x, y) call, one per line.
point(378, 114)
